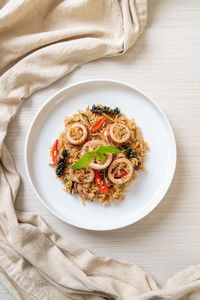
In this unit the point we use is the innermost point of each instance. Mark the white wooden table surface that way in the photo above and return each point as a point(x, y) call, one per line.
point(165, 63)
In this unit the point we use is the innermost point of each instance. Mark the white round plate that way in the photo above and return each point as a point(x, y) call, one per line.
point(143, 195)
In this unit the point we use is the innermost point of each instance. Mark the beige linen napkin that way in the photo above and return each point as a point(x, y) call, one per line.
point(40, 41)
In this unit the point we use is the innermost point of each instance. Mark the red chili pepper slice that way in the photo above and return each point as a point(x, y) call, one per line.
point(100, 182)
point(121, 175)
point(98, 124)
point(55, 153)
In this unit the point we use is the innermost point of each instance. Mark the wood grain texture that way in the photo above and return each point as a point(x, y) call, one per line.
point(165, 63)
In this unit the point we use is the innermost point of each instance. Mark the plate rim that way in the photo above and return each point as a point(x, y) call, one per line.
point(166, 185)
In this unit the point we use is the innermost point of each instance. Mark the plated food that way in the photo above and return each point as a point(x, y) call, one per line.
point(99, 154)
point(143, 194)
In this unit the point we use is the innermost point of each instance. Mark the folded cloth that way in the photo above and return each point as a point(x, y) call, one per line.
point(40, 41)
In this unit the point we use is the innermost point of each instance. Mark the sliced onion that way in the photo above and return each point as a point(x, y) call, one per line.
point(78, 178)
point(114, 138)
point(91, 145)
point(75, 187)
point(107, 135)
point(82, 139)
point(119, 155)
point(128, 169)
point(89, 133)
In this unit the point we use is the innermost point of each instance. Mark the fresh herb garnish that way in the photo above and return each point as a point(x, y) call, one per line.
point(86, 116)
point(72, 187)
point(100, 155)
point(100, 152)
point(65, 181)
point(84, 161)
point(108, 149)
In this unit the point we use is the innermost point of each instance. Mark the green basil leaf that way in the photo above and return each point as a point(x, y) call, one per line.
point(108, 149)
point(100, 155)
point(84, 161)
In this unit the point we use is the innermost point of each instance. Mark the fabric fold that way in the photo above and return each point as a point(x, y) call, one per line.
point(41, 41)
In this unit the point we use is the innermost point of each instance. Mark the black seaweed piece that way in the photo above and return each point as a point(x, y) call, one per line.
point(130, 153)
point(96, 109)
point(105, 109)
point(61, 165)
point(64, 153)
